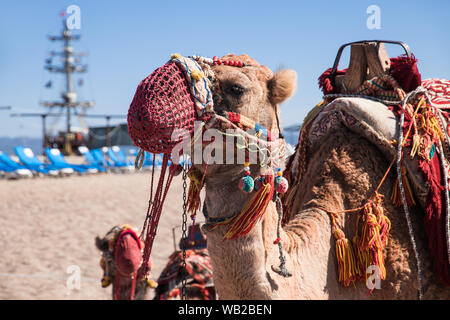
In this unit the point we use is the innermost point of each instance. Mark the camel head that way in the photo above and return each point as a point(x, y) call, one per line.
point(121, 261)
point(253, 91)
point(196, 89)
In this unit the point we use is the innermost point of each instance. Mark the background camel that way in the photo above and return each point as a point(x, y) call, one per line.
point(199, 285)
point(342, 173)
point(129, 251)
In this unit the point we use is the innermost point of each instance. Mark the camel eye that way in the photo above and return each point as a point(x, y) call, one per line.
point(236, 90)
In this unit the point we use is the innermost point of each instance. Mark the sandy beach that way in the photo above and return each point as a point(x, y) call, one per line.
point(48, 229)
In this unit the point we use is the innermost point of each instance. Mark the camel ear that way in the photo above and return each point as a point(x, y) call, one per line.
point(101, 244)
point(282, 86)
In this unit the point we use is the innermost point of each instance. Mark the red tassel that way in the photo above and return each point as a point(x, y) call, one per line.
point(405, 71)
point(255, 208)
point(325, 81)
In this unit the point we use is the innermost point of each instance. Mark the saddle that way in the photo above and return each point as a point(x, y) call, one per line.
point(372, 104)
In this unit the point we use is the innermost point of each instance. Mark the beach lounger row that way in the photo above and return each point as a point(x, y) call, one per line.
point(99, 160)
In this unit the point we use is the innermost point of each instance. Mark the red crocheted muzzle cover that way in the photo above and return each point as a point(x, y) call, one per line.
point(128, 253)
point(162, 103)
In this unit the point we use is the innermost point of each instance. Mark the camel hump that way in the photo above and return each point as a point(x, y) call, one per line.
point(372, 120)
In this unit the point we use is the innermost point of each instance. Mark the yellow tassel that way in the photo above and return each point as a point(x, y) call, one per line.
point(408, 187)
point(347, 267)
point(395, 199)
point(416, 145)
point(176, 56)
point(395, 196)
point(152, 284)
point(106, 281)
point(374, 236)
point(361, 258)
point(147, 279)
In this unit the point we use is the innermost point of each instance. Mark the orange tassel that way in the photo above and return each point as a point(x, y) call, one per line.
point(347, 267)
point(396, 198)
point(361, 259)
point(251, 213)
point(193, 199)
point(374, 236)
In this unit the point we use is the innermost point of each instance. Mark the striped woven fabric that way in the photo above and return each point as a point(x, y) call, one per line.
point(439, 91)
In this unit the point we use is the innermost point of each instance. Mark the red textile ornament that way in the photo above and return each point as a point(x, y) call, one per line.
point(405, 71)
point(128, 252)
point(162, 103)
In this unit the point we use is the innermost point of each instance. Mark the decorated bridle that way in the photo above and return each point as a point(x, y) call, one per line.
point(172, 98)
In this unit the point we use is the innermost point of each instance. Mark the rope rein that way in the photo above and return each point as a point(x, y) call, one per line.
point(401, 143)
point(281, 270)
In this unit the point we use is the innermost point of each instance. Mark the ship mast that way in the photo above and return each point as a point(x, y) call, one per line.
point(69, 66)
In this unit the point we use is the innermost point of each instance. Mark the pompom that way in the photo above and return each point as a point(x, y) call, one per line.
point(246, 184)
point(197, 75)
point(281, 184)
point(176, 56)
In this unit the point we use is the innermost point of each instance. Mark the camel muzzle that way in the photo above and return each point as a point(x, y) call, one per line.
point(162, 104)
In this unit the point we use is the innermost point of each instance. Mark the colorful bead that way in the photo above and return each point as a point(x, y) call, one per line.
point(281, 184)
point(246, 184)
point(217, 61)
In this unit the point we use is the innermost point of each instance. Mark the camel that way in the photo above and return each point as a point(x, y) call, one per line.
point(342, 173)
point(121, 289)
point(168, 284)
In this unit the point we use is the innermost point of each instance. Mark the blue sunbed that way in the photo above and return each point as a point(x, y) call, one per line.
point(116, 160)
point(9, 165)
point(57, 159)
point(5, 168)
point(100, 165)
point(118, 157)
point(27, 157)
point(99, 155)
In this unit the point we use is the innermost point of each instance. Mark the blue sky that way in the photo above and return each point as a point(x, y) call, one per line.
point(127, 40)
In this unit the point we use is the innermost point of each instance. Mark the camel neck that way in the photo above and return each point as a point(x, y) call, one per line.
point(244, 267)
point(233, 259)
